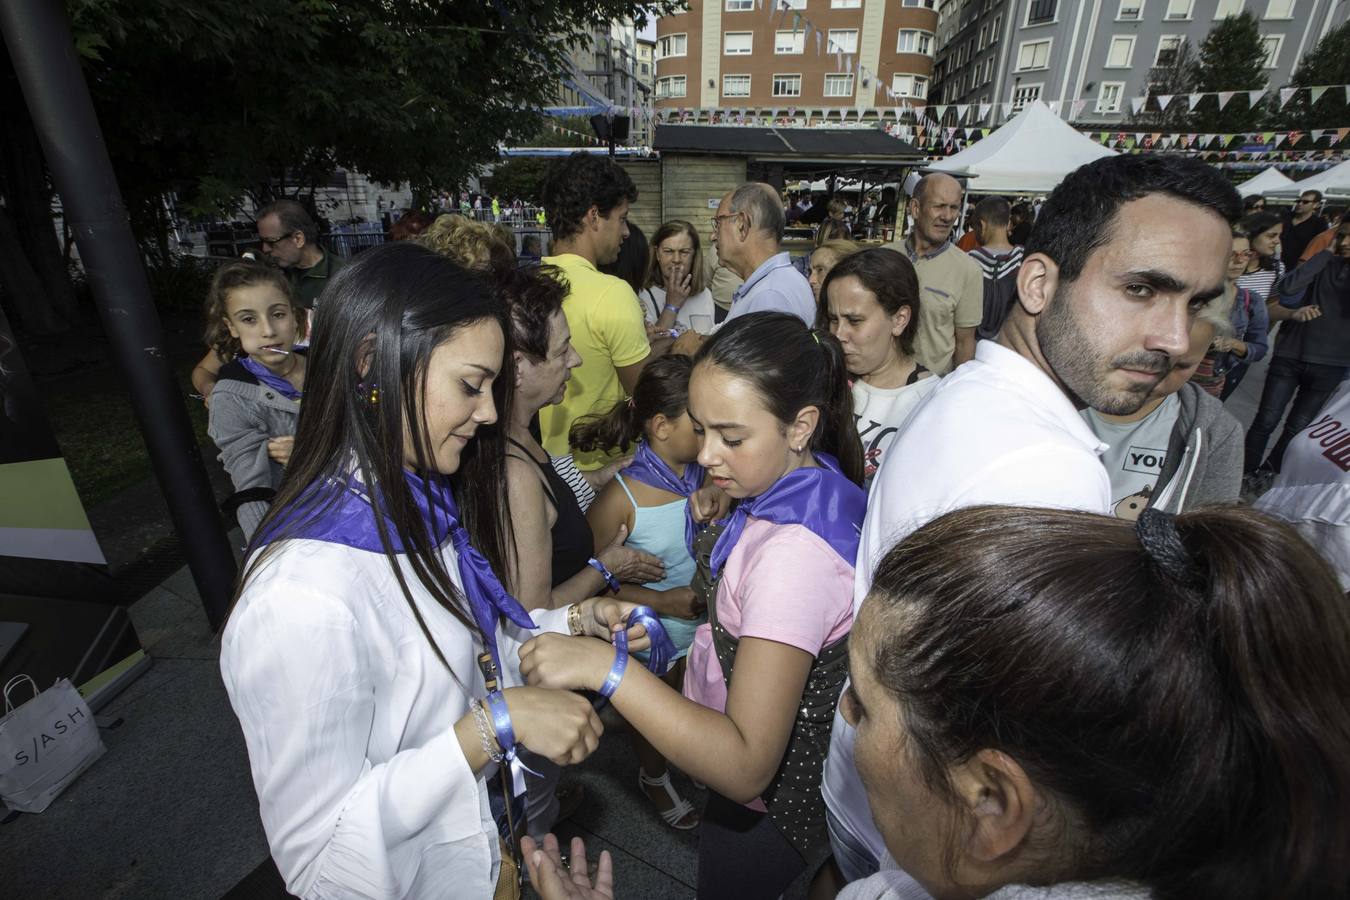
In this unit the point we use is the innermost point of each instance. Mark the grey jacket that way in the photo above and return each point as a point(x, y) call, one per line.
point(1204, 455)
point(244, 414)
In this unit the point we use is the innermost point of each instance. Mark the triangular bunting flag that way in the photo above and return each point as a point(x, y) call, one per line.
point(1341, 133)
point(1163, 100)
point(1254, 97)
point(1136, 104)
point(984, 132)
point(1224, 97)
point(1007, 110)
point(984, 110)
point(1078, 107)
point(1287, 94)
point(961, 110)
point(1315, 94)
point(1193, 100)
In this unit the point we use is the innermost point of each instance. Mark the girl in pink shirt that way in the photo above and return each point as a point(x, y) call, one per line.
point(771, 403)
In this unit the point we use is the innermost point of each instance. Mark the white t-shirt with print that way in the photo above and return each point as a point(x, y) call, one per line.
point(881, 413)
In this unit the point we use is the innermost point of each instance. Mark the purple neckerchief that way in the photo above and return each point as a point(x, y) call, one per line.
point(821, 499)
point(351, 522)
point(650, 469)
point(271, 379)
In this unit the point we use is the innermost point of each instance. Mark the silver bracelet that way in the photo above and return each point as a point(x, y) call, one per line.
point(485, 733)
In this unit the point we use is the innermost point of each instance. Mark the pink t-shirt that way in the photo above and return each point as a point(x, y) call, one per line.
point(781, 583)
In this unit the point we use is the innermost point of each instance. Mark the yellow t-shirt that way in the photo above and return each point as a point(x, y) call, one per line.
point(608, 332)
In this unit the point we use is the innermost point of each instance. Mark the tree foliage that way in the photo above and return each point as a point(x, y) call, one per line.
point(1232, 58)
point(1327, 64)
point(522, 176)
point(1175, 78)
point(263, 97)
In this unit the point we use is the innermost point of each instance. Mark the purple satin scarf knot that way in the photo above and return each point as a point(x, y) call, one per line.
point(271, 379)
point(350, 521)
point(821, 499)
point(650, 469)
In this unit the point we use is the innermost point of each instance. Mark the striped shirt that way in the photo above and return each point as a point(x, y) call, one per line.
point(1262, 280)
point(1000, 286)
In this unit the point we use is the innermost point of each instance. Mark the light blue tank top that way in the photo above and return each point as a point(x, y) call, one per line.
point(659, 530)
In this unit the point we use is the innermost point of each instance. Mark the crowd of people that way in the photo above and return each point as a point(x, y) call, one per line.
point(931, 566)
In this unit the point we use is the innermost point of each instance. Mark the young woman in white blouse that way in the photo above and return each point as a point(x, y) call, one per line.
point(370, 620)
point(675, 295)
point(870, 301)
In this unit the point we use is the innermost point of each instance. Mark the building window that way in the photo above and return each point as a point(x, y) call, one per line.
point(738, 43)
point(1024, 95)
point(1280, 9)
point(842, 40)
point(1272, 43)
point(994, 31)
point(845, 4)
point(1041, 12)
point(670, 86)
point(1168, 46)
point(787, 85)
point(1119, 54)
point(1033, 55)
point(984, 37)
point(912, 41)
point(672, 45)
point(740, 5)
point(838, 85)
point(735, 85)
point(1130, 11)
point(1227, 8)
point(1178, 9)
point(926, 4)
point(789, 41)
point(790, 4)
point(909, 86)
point(1108, 96)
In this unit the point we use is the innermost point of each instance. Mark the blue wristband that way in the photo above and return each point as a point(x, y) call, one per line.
point(669, 308)
point(610, 580)
point(620, 666)
point(501, 724)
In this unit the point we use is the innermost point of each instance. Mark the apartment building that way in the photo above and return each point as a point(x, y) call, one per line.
point(614, 69)
point(828, 55)
point(1087, 58)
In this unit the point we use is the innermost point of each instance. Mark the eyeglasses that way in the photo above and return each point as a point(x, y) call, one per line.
point(272, 242)
point(717, 220)
point(1239, 255)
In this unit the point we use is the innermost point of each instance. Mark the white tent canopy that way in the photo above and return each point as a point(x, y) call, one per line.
point(1271, 179)
point(1334, 184)
point(1029, 155)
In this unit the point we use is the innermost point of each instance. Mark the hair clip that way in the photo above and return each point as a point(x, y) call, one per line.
point(369, 393)
point(1162, 543)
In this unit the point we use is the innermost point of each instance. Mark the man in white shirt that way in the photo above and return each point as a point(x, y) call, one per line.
point(1125, 253)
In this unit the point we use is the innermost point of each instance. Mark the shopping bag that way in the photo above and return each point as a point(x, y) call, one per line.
point(44, 744)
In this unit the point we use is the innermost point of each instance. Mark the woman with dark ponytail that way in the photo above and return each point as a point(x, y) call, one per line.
point(1105, 710)
point(770, 401)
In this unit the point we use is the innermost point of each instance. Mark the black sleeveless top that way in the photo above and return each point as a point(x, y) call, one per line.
point(573, 545)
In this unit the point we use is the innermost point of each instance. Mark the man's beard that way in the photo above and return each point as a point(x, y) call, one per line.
point(1080, 367)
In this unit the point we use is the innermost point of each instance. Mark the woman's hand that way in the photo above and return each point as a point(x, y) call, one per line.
point(1306, 313)
point(709, 503)
point(565, 663)
point(678, 283)
point(558, 725)
point(552, 879)
point(632, 566)
point(279, 449)
point(604, 475)
point(603, 616)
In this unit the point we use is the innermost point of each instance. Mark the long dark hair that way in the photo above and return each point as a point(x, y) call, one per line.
point(631, 264)
point(891, 278)
point(1258, 223)
point(393, 306)
point(792, 366)
point(1190, 732)
point(661, 389)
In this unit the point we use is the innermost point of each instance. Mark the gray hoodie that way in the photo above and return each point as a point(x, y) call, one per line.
point(244, 414)
point(1204, 455)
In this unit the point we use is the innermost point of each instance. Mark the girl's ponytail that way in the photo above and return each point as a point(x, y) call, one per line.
point(838, 429)
point(661, 389)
